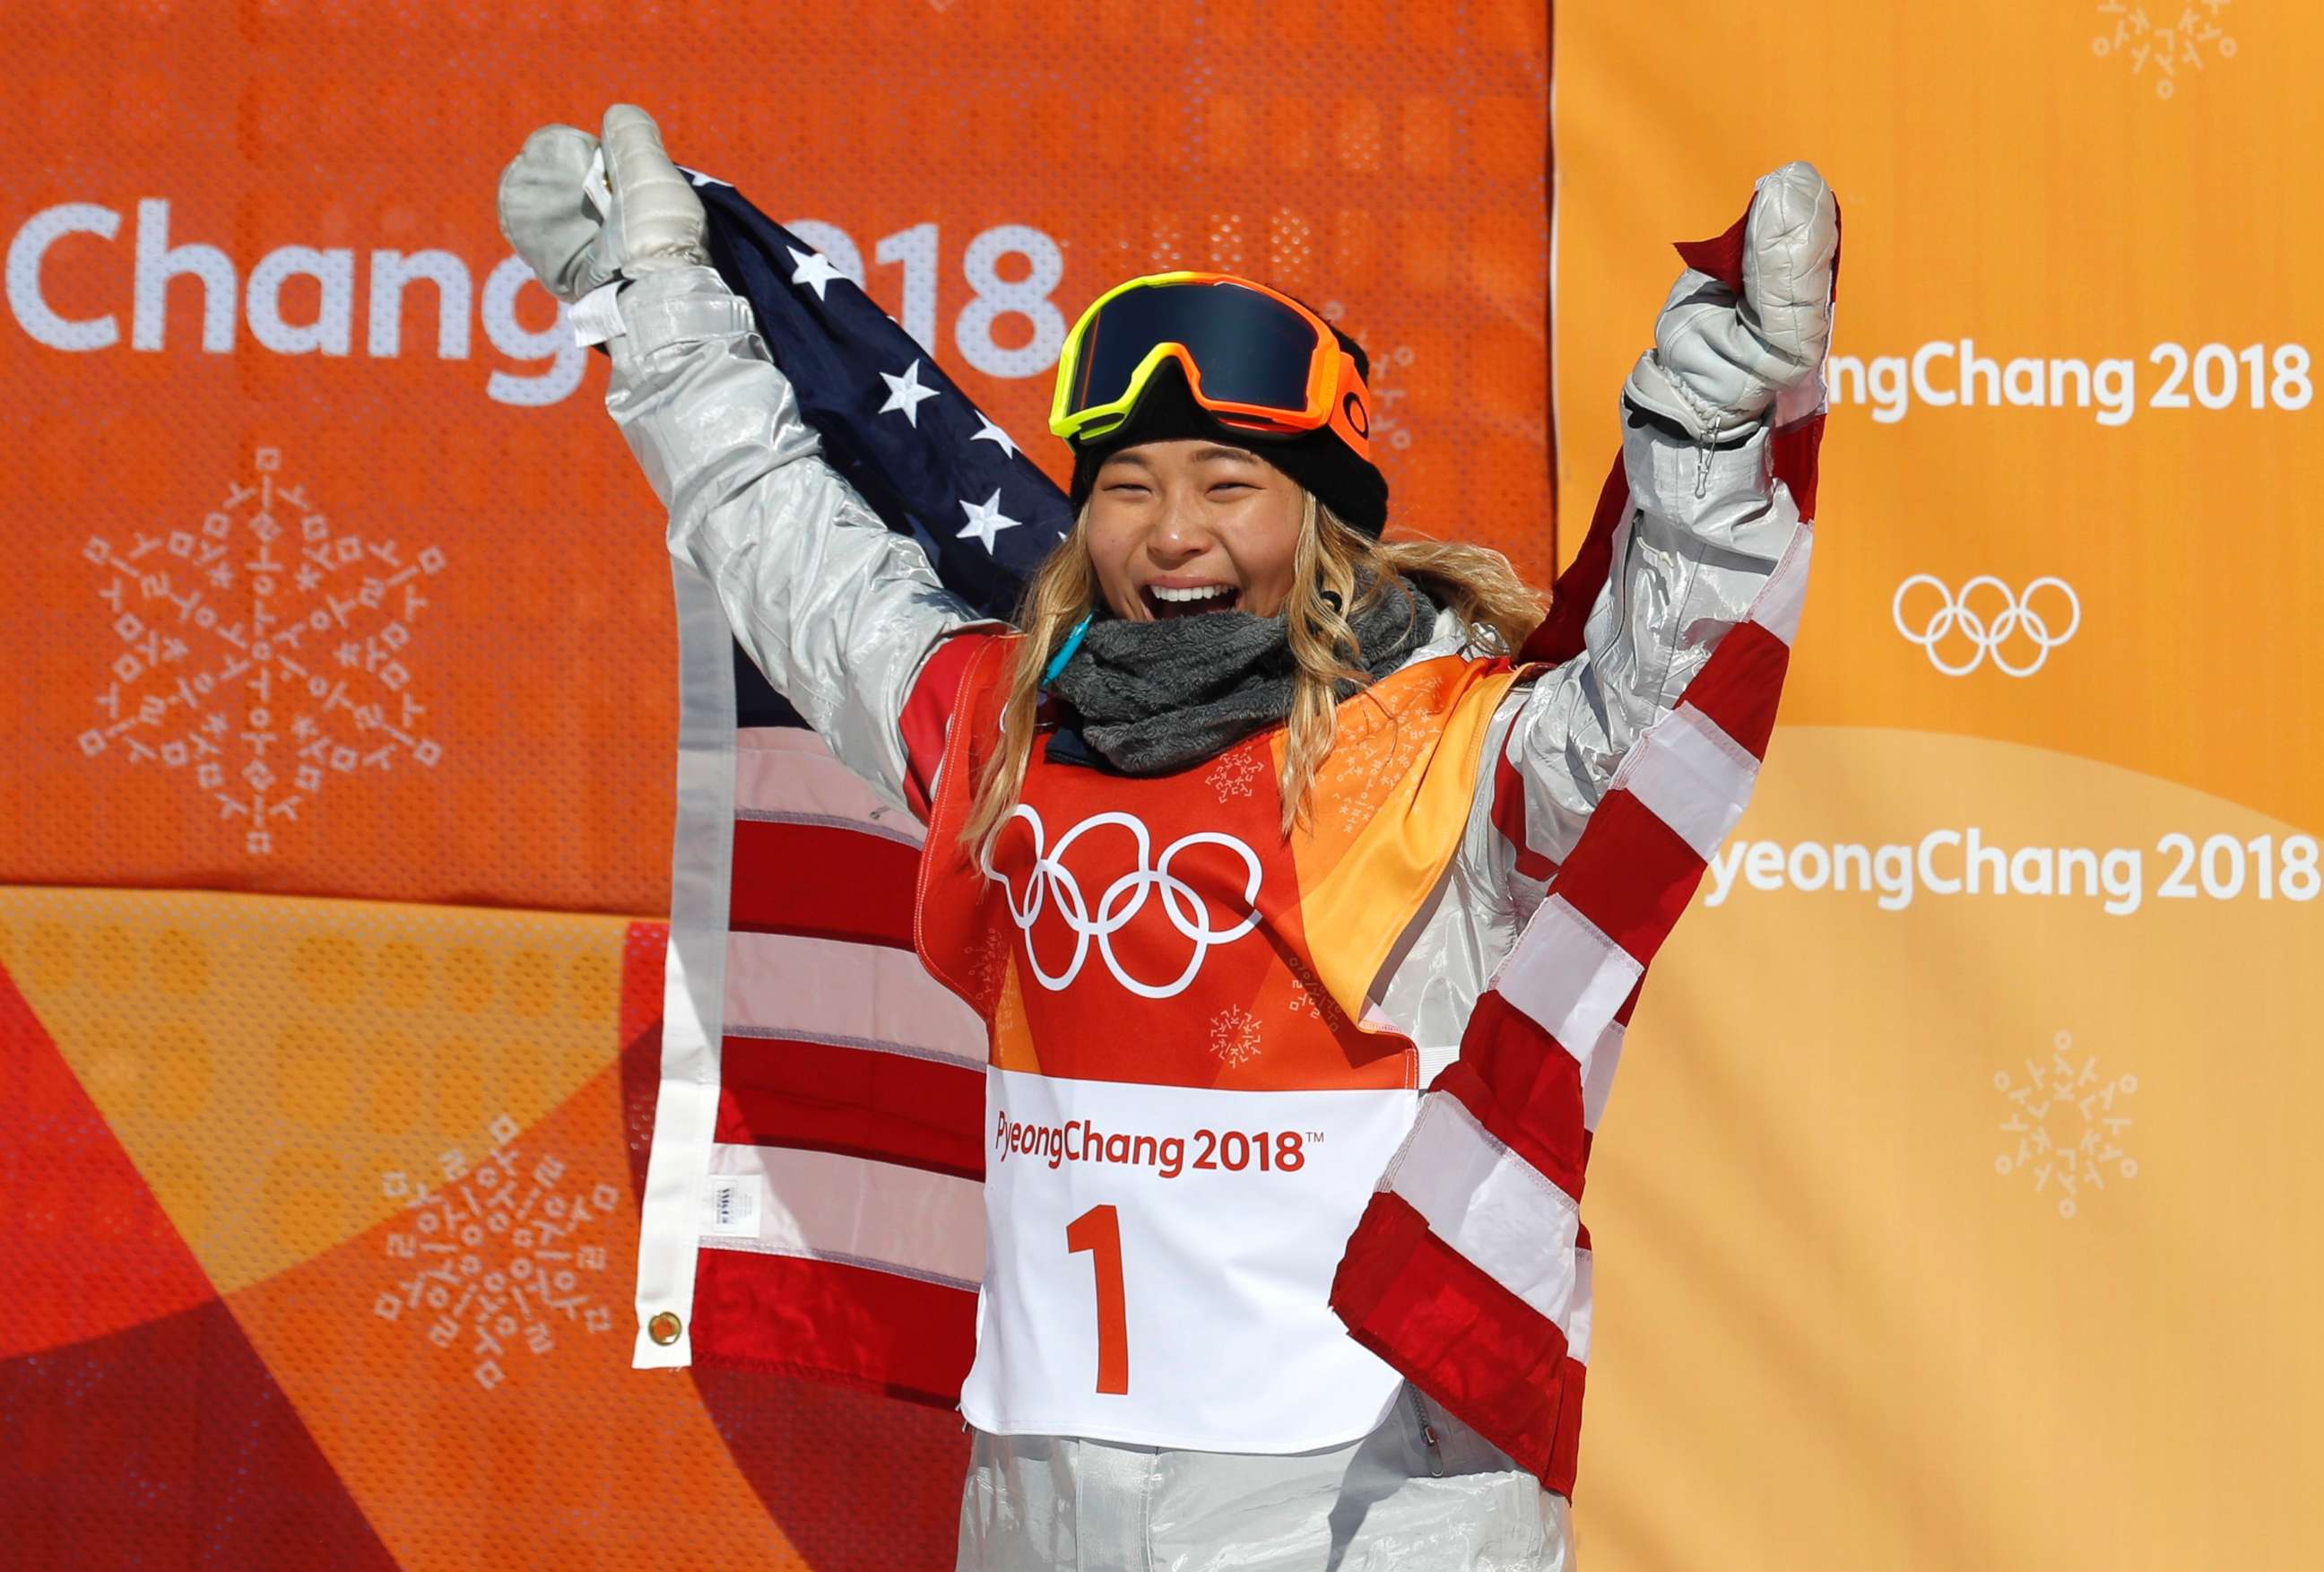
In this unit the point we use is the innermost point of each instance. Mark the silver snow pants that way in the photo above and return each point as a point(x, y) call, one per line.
point(1393, 1500)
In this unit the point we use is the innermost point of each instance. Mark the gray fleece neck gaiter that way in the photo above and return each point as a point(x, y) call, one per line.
point(1152, 697)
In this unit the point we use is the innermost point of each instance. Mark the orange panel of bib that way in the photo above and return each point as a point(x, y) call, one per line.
point(1157, 930)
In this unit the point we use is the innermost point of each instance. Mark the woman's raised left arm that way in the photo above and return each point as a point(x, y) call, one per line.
point(1706, 521)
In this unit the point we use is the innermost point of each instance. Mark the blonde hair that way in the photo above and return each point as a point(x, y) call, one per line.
point(1474, 581)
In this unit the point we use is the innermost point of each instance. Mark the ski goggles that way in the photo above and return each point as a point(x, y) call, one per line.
point(1255, 358)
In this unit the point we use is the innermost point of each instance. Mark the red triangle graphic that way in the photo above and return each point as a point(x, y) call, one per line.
point(168, 1444)
point(86, 1249)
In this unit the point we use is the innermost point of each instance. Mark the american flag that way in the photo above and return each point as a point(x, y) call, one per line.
point(802, 1041)
point(1455, 1274)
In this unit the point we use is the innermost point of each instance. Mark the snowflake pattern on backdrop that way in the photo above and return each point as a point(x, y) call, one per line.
point(498, 1255)
point(261, 649)
point(2190, 41)
point(1234, 1034)
point(2067, 1120)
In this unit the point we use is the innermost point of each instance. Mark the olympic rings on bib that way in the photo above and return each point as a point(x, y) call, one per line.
point(1051, 883)
point(1986, 634)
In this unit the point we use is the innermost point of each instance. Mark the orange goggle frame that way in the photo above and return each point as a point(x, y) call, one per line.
point(1252, 336)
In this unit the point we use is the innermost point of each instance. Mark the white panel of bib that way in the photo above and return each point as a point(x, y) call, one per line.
point(1226, 1264)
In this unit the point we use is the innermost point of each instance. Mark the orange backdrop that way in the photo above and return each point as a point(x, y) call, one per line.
point(1948, 1225)
point(340, 711)
point(1386, 162)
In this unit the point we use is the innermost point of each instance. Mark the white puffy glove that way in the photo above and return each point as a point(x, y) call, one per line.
point(651, 218)
point(1719, 362)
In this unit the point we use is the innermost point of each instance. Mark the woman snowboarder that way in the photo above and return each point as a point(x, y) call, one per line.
point(1225, 838)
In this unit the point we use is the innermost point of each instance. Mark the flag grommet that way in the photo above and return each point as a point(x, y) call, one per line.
point(665, 1327)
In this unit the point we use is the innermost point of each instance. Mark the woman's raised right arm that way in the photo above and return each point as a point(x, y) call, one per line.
point(838, 611)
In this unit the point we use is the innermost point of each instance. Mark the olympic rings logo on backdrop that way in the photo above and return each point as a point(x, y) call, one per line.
point(1989, 630)
point(1052, 883)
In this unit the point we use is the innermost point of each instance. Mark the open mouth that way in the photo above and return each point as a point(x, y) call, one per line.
point(1163, 601)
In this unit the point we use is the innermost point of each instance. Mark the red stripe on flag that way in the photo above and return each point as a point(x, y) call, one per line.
point(823, 881)
point(1455, 1333)
point(1524, 1088)
point(1566, 1448)
point(1509, 818)
point(1721, 255)
point(1794, 452)
point(1559, 638)
point(824, 1097)
point(831, 1321)
point(1738, 688)
point(1631, 874)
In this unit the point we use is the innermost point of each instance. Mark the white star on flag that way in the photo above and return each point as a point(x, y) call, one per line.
point(815, 271)
point(905, 393)
point(985, 520)
point(987, 431)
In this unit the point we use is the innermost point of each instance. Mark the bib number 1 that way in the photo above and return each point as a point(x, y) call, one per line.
point(1099, 1232)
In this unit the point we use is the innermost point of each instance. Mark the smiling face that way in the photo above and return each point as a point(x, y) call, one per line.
point(1180, 528)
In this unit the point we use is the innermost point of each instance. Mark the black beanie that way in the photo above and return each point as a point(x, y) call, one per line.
point(1352, 488)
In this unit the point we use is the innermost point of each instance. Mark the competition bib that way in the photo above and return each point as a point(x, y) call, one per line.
point(1158, 1257)
point(1188, 1106)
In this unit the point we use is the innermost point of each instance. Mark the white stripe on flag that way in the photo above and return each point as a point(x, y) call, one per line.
point(1489, 1204)
point(788, 772)
point(833, 1208)
point(1566, 974)
point(828, 989)
point(1691, 776)
point(694, 987)
point(1584, 1312)
point(1776, 606)
point(1598, 1074)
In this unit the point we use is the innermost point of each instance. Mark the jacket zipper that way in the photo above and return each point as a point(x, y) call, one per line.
point(1427, 1433)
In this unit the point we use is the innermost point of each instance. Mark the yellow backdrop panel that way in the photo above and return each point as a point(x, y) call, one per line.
point(1949, 1213)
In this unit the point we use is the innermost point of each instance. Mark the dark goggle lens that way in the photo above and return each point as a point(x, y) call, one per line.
point(1251, 348)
